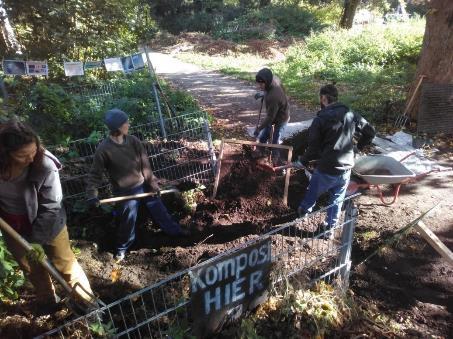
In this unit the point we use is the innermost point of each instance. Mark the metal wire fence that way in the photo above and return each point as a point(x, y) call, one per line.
point(299, 249)
point(186, 154)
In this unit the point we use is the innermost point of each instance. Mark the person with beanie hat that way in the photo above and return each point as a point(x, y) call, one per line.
point(115, 118)
point(277, 107)
point(125, 160)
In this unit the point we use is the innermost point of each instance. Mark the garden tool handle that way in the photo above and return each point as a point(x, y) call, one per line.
point(290, 165)
point(5, 227)
point(136, 196)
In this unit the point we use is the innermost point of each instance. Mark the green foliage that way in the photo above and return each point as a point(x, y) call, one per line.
point(79, 30)
point(270, 22)
point(102, 330)
point(11, 277)
point(61, 112)
point(371, 66)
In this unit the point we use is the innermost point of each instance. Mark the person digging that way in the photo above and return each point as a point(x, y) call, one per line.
point(124, 159)
point(31, 206)
point(277, 109)
point(330, 143)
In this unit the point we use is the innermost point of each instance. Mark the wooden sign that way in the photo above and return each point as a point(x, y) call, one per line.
point(223, 289)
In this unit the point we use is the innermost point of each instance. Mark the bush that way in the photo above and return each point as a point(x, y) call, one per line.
point(61, 112)
point(371, 66)
point(274, 21)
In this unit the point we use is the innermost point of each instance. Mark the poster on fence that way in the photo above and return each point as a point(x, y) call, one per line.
point(73, 68)
point(36, 68)
point(14, 67)
point(128, 66)
point(223, 289)
point(137, 60)
point(113, 64)
point(92, 65)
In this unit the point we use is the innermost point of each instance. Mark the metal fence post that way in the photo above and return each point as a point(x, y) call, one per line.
point(210, 145)
point(161, 119)
point(346, 242)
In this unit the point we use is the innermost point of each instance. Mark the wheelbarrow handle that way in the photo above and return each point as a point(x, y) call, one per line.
point(136, 196)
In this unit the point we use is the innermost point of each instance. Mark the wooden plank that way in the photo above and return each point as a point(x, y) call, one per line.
point(252, 143)
point(434, 241)
point(287, 176)
point(217, 175)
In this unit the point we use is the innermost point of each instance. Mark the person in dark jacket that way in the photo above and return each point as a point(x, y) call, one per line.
point(277, 107)
point(125, 160)
point(31, 203)
point(330, 143)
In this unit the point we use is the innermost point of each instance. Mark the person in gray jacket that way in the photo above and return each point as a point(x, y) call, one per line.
point(31, 203)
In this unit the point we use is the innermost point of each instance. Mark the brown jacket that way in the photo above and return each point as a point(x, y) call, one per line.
point(126, 164)
point(277, 106)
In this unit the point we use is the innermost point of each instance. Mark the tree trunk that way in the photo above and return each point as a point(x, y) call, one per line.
point(436, 56)
point(349, 9)
point(8, 35)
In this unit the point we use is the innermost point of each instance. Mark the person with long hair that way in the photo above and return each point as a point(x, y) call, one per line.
point(31, 203)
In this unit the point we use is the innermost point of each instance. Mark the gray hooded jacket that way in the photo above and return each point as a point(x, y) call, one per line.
point(43, 197)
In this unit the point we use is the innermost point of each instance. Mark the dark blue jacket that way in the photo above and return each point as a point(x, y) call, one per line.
point(330, 140)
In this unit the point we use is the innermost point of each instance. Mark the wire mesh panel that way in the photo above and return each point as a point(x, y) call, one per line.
point(307, 245)
point(300, 249)
point(154, 312)
point(186, 154)
point(95, 96)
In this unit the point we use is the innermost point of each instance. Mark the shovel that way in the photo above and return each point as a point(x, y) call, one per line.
point(271, 169)
point(181, 187)
point(74, 300)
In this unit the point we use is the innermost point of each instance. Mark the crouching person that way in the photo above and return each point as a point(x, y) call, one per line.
point(31, 203)
point(126, 163)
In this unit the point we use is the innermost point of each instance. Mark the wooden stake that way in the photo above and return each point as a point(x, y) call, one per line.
point(434, 241)
point(217, 175)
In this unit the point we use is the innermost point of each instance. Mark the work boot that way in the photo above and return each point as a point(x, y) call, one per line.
point(301, 213)
point(120, 255)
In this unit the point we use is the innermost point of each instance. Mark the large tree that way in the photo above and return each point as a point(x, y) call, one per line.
point(349, 9)
point(7, 32)
point(436, 57)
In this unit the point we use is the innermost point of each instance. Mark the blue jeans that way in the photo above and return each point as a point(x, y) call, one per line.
point(127, 212)
point(320, 183)
point(263, 137)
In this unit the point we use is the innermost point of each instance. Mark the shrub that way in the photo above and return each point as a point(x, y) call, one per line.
point(61, 112)
point(371, 66)
point(274, 21)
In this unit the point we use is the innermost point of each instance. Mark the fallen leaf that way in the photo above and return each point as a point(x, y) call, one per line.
point(116, 274)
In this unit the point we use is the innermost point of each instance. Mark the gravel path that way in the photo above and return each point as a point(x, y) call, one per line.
point(230, 100)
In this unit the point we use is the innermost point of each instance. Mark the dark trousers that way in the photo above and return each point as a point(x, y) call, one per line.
point(127, 213)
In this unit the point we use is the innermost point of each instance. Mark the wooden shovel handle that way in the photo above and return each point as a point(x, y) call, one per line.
point(136, 196)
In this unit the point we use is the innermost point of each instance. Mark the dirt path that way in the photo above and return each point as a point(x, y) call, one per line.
point(230, 100)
